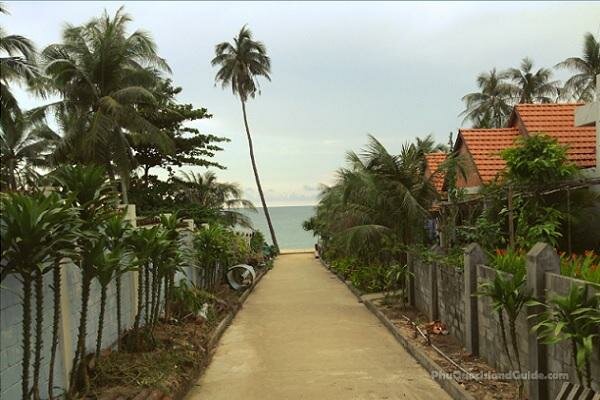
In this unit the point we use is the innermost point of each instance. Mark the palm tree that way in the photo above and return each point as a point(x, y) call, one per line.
point(532, 87)
point(19, 66)
point(221, 197)
point(377, 204)
point(582, 85)
point(240, 64)
point(23, 147)
point(492, 105)
point(103, 75)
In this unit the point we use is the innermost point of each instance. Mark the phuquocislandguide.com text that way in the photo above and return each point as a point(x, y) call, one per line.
point(511, 375)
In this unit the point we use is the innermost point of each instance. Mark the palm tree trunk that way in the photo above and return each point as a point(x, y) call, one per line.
point(86, 282)
point(258, 185)
point(101, 321)
point(56, 277)
point(147, 294)
point(124, 194)
point(140, 300)
point(39, 322)
point(26, 302)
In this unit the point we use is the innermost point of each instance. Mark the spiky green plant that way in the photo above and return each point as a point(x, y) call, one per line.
point(118, 230)
point(96, 202)
point(574, 317)
point(32, 234)
point(508, 295)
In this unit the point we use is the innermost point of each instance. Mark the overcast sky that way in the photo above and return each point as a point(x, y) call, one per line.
point(340, 70)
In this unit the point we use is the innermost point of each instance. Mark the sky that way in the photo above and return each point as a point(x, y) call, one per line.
point(340, 71)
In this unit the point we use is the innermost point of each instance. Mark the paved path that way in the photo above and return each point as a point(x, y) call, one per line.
point(303, 335)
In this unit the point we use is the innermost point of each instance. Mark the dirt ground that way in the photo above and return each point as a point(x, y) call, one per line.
point(179, 357)
point(485, 389)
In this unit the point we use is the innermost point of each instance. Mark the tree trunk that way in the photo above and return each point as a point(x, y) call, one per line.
point(80, 349)
point(140, 300)
point(26, 302)
point(124, 195)
point(258, 185)
point(504, 341)
point(100, 321)
point(39, 323)
point(515, 346)
point(147, 293)
point(56, 277)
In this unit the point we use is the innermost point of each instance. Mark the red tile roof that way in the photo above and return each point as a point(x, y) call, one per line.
point(434, 160)
point(485, 146)
point(558, 121)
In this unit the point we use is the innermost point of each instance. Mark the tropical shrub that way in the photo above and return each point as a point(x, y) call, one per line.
point(510, 261)
point(396, 277)
point(508, 295)
point(581, 266)
point(188, 300)
point(574, 317)
point(35, 232)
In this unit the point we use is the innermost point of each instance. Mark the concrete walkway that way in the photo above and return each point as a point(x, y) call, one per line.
point(303, 335)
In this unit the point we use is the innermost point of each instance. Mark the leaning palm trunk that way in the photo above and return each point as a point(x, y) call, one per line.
point(56, 277)
point(26, 302)
point(39, 322)
point(258, 185)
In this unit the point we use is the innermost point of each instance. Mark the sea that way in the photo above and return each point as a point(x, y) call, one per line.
point(287, 222)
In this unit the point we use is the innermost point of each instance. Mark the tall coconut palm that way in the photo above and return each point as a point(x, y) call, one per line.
point(240, 64)
point(17, 65)
point(492, 104)
point(582, 85)
point(103, 74)
point(532, 87)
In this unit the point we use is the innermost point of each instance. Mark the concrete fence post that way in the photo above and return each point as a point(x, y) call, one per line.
point(473, 256)
point(541, 258)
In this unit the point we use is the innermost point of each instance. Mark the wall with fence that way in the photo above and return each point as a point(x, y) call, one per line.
point(11, 319)
point(448, 293)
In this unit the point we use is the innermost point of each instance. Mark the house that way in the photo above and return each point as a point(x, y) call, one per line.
point(433, 161)
point(481, 147)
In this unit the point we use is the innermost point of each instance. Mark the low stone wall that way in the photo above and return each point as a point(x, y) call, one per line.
point(451, 302)
point(441, 292)
point(491, 346)
point(423, 297)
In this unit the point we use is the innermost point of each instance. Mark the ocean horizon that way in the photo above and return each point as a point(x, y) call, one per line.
point(287, 222)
